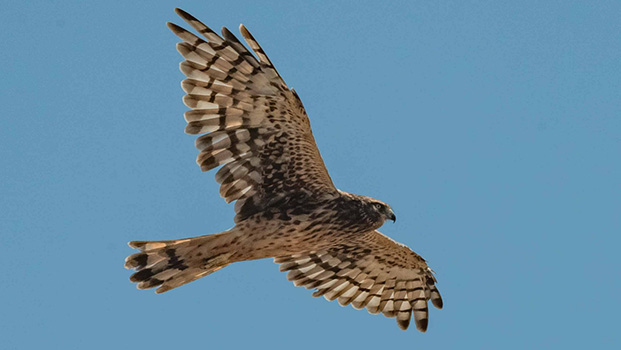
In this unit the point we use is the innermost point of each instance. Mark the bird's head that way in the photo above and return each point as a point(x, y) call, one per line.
point(370, 210)
point(383, 210)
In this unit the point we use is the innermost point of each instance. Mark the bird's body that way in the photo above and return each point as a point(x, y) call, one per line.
point(287, 206)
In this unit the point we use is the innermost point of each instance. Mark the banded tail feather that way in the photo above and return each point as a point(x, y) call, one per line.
point(170, 264)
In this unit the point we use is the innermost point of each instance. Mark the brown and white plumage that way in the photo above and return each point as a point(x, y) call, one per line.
point(257, 130)
point(249, 116)
point(361, 273)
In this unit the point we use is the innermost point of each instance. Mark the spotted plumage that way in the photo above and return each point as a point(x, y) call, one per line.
point(254, 127)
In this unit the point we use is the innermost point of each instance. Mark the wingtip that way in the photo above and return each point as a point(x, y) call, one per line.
point(186, 16)
point(175, 28)
point(421, 325)
point(226, 33)
point(403, 324)
point(181, 12)
point(245, 33)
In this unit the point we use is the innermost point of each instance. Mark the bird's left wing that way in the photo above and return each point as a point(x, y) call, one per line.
point(372, 271)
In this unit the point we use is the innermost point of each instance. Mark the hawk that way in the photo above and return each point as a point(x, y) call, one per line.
point(287, 208)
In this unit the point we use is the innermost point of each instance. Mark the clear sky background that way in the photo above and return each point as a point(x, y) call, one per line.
point(492, 128)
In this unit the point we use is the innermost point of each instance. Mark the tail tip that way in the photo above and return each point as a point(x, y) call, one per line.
point(136, 261)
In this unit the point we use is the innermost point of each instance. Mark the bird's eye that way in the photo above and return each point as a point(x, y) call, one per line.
point(378, 205)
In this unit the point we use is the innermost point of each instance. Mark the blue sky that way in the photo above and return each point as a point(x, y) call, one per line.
point(492, 128)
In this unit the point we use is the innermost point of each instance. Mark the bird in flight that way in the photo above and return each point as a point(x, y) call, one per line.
point(287, 208)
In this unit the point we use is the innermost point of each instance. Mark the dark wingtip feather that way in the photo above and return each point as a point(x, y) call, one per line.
point(184, 14)
point(403, 324)
point(227, 34)
point(175, 28)
point(421, 325)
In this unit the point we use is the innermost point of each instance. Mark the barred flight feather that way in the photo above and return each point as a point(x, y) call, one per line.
point(242, 104)
point(366, 280)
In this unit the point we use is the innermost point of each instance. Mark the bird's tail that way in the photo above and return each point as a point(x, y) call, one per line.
point(170, 264)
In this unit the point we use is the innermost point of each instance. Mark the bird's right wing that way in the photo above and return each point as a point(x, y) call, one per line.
point(255, 127)
point(373, 271)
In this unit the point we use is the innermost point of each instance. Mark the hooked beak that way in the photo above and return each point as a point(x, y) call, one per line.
point(391, 215)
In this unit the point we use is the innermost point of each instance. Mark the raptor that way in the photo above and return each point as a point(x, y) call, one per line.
point(254, 127)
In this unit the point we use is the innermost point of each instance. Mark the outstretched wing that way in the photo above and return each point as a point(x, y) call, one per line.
point(254, 125)
point(373, 272)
